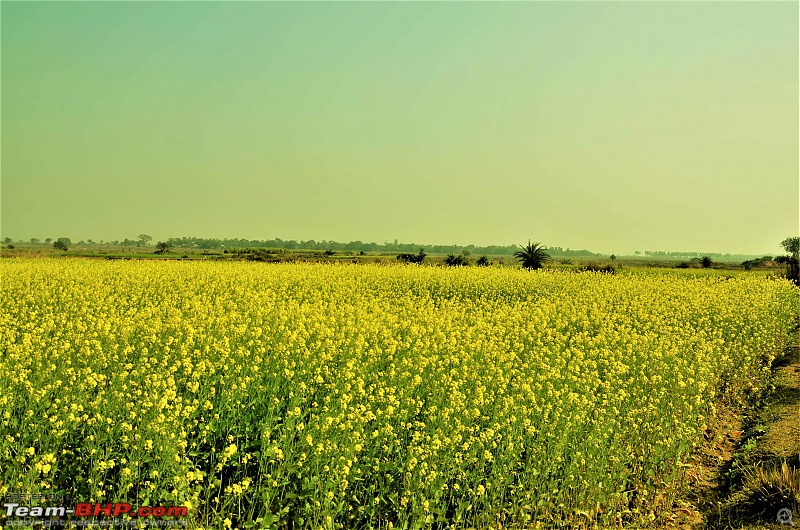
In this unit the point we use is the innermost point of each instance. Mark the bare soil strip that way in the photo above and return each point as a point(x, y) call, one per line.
point(749, 475)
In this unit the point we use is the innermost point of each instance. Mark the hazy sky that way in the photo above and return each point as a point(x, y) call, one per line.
point(612, 126)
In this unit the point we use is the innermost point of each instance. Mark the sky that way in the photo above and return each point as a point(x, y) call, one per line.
point(610, 126)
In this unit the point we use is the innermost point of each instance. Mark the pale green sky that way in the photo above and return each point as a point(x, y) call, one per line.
point(611, 126)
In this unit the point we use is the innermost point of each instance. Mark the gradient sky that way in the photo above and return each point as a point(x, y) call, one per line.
point(612, 126)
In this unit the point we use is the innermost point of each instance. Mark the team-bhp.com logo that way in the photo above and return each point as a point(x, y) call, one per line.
point(58, 510)
point(85, 509)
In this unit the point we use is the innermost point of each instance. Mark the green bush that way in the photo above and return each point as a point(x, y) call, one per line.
point(406, 257)
point(455, 261)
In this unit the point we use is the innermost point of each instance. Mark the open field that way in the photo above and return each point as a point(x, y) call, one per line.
point(332, 396)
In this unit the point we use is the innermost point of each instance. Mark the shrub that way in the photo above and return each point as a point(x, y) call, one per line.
point(483, 261)
point(406, 257)
point(767, 488)
point(455, 261)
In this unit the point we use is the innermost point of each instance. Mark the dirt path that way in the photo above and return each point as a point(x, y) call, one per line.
point(757, 475)
point(782, 440)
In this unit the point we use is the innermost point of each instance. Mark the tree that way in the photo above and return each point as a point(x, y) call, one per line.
point(533, 256)
point(613, 257)
point(144, 239)
point(61, 245)
point(483, 261)
point(705, 262)
point(48, 240)
point(7, 240)
point(162, 247)
point(35, 240)
point(792, 246)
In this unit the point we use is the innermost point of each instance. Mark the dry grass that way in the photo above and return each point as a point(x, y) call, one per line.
point(768, 490)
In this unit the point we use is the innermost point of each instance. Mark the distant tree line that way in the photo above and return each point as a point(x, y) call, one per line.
point(323, 245)
point(360, 246)
point(686, 254)
point(395, 247)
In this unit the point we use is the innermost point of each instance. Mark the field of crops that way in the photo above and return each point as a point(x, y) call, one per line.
point(335, 396)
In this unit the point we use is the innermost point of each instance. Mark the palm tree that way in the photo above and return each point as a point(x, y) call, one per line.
point(533, 256)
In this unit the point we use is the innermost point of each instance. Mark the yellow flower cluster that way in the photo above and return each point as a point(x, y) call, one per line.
point(357, 396)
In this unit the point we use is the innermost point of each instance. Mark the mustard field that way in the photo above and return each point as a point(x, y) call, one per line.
point(336, 396)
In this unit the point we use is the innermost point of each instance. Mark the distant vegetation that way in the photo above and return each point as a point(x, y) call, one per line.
point(360, 248)
point(758, 262)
